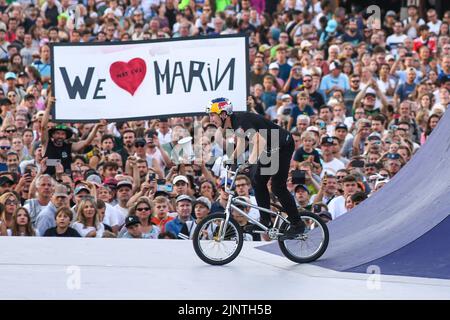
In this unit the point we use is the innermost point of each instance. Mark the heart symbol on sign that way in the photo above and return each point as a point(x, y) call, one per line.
point(128, 75)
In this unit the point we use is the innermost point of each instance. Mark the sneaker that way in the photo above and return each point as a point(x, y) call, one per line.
point(294, 231)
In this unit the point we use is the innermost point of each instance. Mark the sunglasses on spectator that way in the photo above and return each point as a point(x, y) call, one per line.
point(143, 209)
point(393, 156)
point(10, 130)
point(139, 145)
point(5, 147)
point(11, 202)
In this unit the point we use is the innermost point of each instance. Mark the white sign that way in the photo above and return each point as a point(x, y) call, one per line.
point(135, 80)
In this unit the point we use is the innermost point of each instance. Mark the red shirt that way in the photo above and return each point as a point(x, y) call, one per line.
point(430, 43)
point(161, 223)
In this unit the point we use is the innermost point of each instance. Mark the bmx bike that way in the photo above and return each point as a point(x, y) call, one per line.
point(218, 238)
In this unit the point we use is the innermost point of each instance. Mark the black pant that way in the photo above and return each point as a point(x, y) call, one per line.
point(279, 187)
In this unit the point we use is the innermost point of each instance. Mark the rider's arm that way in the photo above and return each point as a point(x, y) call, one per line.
point(258, 144)
point(240, 145)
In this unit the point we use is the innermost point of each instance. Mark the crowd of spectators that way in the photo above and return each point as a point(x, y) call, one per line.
point(359, 95)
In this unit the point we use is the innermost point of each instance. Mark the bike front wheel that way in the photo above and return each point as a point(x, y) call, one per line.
point(311, 245)
point(216, 243)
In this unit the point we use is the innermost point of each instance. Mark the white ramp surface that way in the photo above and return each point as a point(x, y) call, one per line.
point(69, 268)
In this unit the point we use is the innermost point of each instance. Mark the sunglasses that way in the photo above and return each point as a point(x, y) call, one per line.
point(140, 145)
point(11, 131)
point(143, 209)
point(11, 202)
point(5, 147)
point(393, 156)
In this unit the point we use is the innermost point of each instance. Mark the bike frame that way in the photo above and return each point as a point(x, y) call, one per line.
point(231, 204)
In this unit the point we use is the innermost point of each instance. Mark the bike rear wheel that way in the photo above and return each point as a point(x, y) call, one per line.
point(209, 245)
point(311, 245)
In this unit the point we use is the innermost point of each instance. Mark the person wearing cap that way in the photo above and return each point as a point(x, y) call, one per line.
point(133, 228)
point(47, 217)
point(274, 70)
point(335, 79)
point(80, 192)
point(124, 193)
point(6, 184)
point(341, 133)
point(202, 207)
point(184, 210)
point(367, 98)
point(54, 141)
point(302, 197)
point(180, 185)
point(329, 162)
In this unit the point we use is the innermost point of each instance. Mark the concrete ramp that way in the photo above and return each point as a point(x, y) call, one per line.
point(400, 225)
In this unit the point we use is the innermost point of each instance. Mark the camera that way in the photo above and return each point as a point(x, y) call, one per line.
point(299, 177)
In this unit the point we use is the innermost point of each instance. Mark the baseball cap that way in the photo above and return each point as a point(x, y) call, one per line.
point(325, 214)
point(80, 188)
point(5, 180)
point(334, 65)
point(286, 96)
point(341, 125)
point(204, 201)
point(374, 136)
point(22, 74)
point(111, 182)
point(94, 178)
point(10, 75)
point(5, 102)
point(222, 182)
point(331, 26)
point(60, 191)
point(302, 186)
point(274, 65)
point(304, 44)
point(327, 141)
point(389, 57)
point(124, 183)
point(183, 197)
point(391, 13)
point(312, 128)
point(180, 178)
point(131, 220)
point(371, 92)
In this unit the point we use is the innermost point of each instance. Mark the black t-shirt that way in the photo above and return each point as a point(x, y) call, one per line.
point(64, 153)
point(258, 123)
point(70, 232)
point(301, 155)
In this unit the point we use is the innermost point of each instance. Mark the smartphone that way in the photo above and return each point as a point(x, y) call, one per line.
point(52, 162)
point(316, 208)
point(357, 163)
point(151, 177)
point(161, 181)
